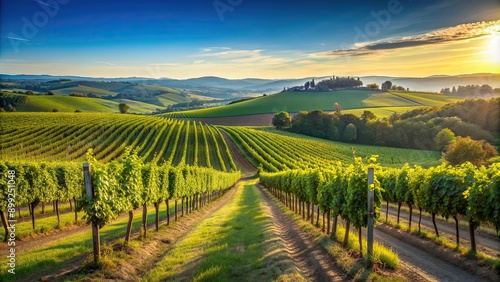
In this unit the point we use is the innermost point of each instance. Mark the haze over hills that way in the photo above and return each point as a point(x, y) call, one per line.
point(222, 87)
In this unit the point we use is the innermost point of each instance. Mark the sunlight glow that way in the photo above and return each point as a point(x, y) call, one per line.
point(495, 47)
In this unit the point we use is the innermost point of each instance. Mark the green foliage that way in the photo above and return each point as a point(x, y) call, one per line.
point(350, 133)
point(466, 149)
point(444, 138)
point(342, 190)
point(282, 120)
point(123, 108)
point(151, 184)
point(131, 180)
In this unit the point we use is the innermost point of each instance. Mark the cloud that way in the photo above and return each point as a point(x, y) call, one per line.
point(450, 34)
point(210, 49)
point(15, 38)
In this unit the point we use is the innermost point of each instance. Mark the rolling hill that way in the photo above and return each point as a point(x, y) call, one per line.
point(210, 85)
point(44, 103)
point(382, 103)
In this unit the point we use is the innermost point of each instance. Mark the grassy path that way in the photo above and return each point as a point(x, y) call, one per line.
point(239, 242)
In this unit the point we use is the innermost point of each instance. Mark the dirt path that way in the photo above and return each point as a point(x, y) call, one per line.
point(247, 120)
point(487, 244)
point(420, 264)
point(311, 259)
point(247, 169)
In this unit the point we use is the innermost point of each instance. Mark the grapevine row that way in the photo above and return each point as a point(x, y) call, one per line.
point(67, 136)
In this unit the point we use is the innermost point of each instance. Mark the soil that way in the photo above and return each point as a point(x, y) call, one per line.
point(247, 169)
point(487, 244)
point(313, 262)
point(430, 262)
point(248, 120)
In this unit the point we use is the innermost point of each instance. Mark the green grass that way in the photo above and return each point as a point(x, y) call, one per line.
point(43, 103)
point(84, 90)
point(42, 225)
point(354, 267)
point(57, 255)
point(241, 246)
point(308, 101)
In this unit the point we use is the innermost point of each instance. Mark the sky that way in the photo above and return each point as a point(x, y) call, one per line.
point(249, 38)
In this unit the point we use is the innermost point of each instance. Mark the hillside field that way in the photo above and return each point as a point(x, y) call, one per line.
point(381, 103)
point(43, 103)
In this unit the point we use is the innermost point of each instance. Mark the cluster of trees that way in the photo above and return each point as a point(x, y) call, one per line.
point(90, 95)
point(470, 90)
point(9, 102)
point(337, 82)
point(119, 186)
point(416, 129)
point(333, 83)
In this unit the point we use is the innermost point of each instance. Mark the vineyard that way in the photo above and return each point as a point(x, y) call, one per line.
point(278, 150)
point(140, 163)
point(68, 136)
point(465, 192)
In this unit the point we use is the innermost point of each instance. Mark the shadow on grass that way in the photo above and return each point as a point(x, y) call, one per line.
point(235, 253)
point(45, 260)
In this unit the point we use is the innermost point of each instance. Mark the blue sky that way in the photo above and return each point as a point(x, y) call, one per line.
point(248, 38)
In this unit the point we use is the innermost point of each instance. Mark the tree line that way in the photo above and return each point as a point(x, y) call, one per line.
point(470, 90)
point(416, 129)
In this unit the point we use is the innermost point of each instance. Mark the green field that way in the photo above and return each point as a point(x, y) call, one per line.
point(84, 90)
point(382, 103)
point(45, 103)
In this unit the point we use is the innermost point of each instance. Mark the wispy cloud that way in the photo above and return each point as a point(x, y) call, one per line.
point(455, 33)
point(232, 56)
point(15, 38)
point(211, 49)
point(45, 3)
point(106, 63)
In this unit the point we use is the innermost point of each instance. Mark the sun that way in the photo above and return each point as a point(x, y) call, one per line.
point(495, 47)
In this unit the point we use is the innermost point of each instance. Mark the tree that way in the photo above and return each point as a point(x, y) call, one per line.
point(443, 139)
point(367, 115)
point(337, 107)
point(485, 89)
point(306, 85)
point(350, 133)
point(386, 85)
point(372, 86)
point(123, 108)
point(313, 84)
point(282, 120)
point(465, 149)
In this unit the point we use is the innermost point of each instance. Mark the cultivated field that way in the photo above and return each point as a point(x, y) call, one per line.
point(382, 103)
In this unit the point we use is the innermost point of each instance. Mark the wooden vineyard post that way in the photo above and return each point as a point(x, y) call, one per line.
point(370, 214)
point(89, 189)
